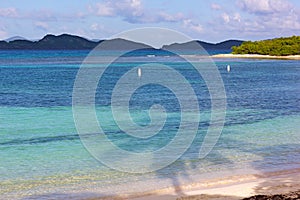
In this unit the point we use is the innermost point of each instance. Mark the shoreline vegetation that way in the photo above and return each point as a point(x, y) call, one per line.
point(256, 56)
point(278, 48)
point(284, 46)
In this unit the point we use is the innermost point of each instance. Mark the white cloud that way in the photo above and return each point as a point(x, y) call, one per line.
point(286, 21)
point(265, 6)
point(133, 11)
point(188, 23)
point(274, 16)
point(102, 10)
point(40, 14)
point(215, 6)
point(97, 27)
point(225, 17)
point(110, 8)
point(236, 17)
point(8, 12)
point(263, 19)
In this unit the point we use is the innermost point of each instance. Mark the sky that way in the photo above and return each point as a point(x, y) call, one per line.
point(207, 20)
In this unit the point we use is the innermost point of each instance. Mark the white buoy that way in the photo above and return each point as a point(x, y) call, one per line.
point(228, 68)
point(139, 72)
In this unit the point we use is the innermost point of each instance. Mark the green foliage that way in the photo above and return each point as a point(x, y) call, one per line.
point(275, 47)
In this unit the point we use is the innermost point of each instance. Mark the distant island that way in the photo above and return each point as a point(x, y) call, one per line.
point(284, 46)
point(73, 42)
point(225, 45)
point(278, 48)
point(49, 42)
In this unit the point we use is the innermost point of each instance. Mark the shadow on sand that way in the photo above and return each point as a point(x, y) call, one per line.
point(278, 168)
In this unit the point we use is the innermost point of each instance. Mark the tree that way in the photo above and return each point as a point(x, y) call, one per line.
point(278, 47)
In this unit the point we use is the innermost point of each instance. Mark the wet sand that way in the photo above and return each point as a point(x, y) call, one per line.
point(232, 188)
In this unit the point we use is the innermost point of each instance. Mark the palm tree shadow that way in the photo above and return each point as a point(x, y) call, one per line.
point(180, 174)
point(278, 167)
point(282, 158)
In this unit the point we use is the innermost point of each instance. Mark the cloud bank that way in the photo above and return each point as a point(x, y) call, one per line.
point(212, 21)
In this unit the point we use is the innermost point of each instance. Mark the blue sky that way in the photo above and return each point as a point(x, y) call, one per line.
point(208, 20)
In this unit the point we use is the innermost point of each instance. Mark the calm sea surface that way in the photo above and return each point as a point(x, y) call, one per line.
point(41, 155)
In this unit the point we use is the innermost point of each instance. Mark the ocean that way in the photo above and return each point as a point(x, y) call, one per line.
point(42, 156)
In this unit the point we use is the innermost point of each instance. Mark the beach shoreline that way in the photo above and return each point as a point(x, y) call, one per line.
point(256, 56)
point(270, 183)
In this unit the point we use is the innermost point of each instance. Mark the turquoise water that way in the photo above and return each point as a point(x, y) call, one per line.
point(41, 153)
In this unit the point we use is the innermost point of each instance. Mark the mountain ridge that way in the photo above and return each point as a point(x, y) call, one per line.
point(74, 42)
point(14, 38)
point(224, 45)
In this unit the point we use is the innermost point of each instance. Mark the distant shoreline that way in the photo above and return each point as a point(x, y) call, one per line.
point(256, 56)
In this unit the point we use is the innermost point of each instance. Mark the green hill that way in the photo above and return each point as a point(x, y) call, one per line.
point(276, 47)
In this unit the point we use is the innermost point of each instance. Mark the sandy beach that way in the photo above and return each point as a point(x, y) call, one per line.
point(231, 188)
point(256, 56)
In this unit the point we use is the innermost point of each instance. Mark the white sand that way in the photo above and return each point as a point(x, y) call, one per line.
point(256, 56)
point(269, 183)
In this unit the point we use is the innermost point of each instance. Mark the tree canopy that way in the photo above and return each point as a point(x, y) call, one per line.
point(283, 46)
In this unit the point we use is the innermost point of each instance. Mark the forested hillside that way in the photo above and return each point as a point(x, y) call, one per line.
point(276, 47)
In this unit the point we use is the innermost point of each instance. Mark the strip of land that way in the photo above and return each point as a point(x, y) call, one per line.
point(256, 56)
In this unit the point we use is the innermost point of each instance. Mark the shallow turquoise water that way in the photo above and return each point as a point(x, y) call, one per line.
point(41, 152)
